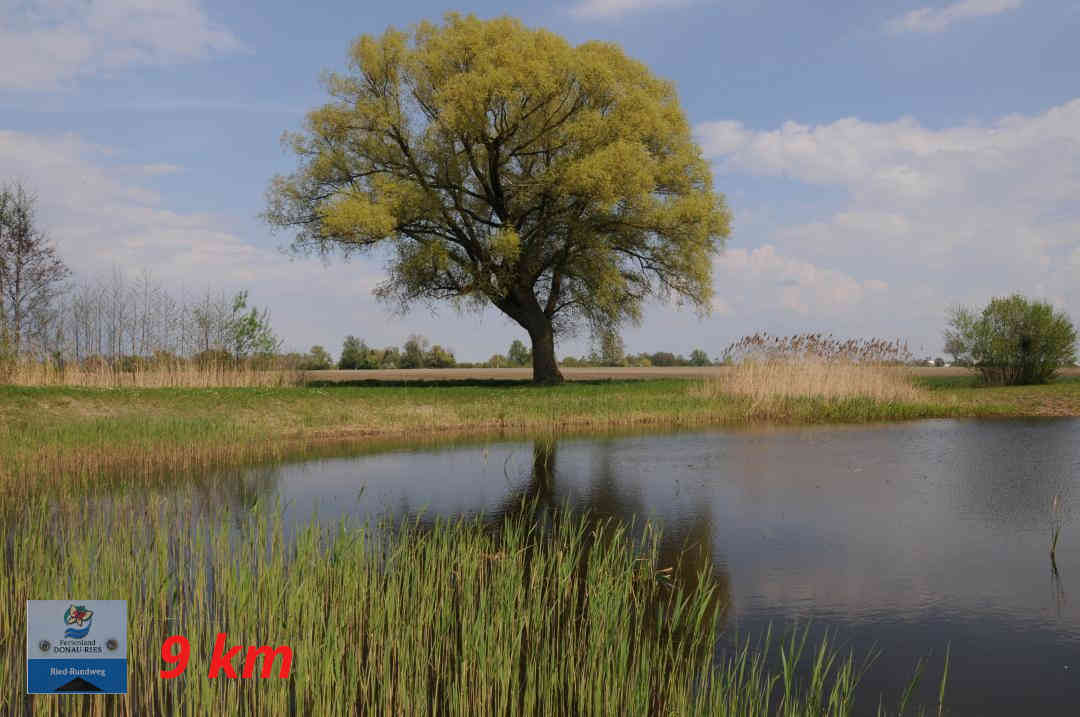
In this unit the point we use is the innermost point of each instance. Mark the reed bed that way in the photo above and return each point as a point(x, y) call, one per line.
point(764, 346)
point(764, 381)
point(778, 375)
point(574, 617)
point(166, 374)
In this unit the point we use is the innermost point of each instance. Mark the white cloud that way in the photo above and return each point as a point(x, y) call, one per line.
point(46, 44)
point(101, 216)
point(929, 20)
point(597, 9)
point(763, 279)
point(942, 215)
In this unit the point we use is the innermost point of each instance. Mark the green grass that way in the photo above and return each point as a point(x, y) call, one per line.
point(579, 617)
point(1061, 397)
point(71, 437)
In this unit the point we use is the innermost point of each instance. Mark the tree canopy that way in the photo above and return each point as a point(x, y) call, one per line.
point(502, 165)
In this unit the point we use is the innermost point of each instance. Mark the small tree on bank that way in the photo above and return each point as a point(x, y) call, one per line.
point(1014, 340)
point(504, 166)
point(249, 330)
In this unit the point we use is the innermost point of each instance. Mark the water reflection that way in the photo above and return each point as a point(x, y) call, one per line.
point(905, 537)
point(685, 555)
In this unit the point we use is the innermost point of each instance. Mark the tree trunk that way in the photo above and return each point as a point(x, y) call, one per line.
point(545, 369)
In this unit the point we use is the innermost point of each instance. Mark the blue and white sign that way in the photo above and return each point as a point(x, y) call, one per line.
point(76, 647)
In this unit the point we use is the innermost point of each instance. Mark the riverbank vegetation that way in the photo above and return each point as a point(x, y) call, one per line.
point(69, 438)
point(1013, 341)
point(523, 617)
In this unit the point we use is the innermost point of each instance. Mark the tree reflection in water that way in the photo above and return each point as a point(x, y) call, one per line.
point(687, 554)
point(683, 562)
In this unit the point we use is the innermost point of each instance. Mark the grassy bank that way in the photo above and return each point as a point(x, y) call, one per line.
point(70, 437)
point(452, 618)
point(1058, 398)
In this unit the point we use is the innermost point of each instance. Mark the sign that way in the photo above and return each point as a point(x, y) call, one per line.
point(76, 646)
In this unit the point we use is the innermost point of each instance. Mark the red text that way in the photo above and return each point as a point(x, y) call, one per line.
point(176, 651)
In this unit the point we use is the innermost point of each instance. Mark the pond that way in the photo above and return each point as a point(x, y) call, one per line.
point(906, 538)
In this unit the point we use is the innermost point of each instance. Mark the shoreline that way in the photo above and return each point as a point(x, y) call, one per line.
point(73, 437)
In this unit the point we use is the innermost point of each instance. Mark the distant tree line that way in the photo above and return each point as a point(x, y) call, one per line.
point(112, 320)
point(418, 352)
point(697, 357)
point(609, 350)
point(117, 320)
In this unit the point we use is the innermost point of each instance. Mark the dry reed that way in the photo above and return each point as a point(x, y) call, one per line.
point(178, 374)
point(767, 369)
point(770, 380)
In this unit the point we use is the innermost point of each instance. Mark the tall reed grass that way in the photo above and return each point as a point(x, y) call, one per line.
point(170, 374)
point(764, 381)
point(577, 617)
point(770, 372)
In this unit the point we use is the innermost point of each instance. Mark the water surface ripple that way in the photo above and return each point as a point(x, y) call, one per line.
point(906, 537)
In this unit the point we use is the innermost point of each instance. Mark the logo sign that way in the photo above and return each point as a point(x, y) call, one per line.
point(76, 646)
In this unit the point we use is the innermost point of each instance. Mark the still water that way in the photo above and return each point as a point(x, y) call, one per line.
point(905, 538)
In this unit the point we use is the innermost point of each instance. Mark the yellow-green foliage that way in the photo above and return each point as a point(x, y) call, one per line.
point(557, 182)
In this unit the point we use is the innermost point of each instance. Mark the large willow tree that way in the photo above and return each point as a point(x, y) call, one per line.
point(503, 165)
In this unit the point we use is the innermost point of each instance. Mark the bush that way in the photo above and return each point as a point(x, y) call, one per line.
point(698, 357)
point(518, 355)
point(317, 359)
point(414, 352)
point(438, 357)
point(356, 354)
point(1014, 340)
point(664, 358)
point(390, 357)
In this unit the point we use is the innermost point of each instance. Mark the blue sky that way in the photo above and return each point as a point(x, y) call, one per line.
point(884, 161)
